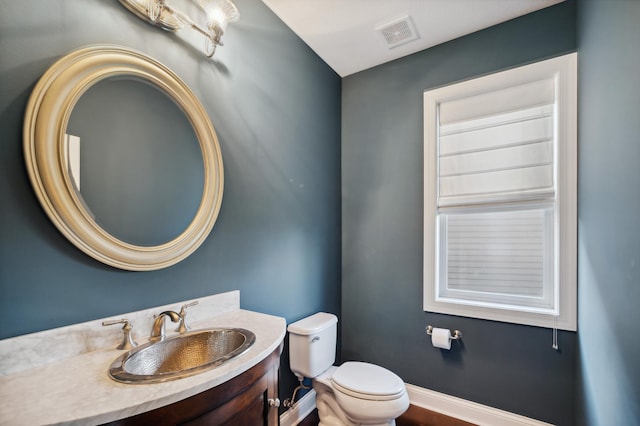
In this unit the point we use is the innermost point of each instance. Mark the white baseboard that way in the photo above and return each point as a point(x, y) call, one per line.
point(451, 406)
point(468, 411)
point(300, 410)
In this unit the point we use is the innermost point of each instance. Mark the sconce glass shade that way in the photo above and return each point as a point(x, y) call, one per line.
point(219, 13)
point(161, 13)
point(153, 13)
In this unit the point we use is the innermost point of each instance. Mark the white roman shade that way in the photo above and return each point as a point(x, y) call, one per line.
point(499, 176)
point(497, 146)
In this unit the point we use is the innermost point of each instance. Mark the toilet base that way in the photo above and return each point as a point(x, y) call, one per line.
point(331, 414)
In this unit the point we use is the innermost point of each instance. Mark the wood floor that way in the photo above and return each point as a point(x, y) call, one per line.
point(414, 416)
point(311, 420)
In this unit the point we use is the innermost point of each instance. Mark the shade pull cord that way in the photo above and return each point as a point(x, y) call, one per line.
point(555, 336)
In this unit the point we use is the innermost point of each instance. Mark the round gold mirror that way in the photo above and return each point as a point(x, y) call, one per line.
point(52, 157)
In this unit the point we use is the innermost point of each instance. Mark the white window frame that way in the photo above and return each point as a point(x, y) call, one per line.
point(563, 70)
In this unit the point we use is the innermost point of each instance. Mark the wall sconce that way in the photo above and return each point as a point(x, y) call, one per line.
point(162, 14)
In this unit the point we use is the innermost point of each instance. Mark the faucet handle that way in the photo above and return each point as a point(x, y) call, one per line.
point(184, 327)
point(127, 338)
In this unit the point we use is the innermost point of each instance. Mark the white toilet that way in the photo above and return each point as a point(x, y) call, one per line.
point(356, 393)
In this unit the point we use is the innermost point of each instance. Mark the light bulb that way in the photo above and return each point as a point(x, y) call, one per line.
point(219, 13)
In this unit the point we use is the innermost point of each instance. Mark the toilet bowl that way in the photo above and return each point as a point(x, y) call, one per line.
point(355, 393)
point(365, 394)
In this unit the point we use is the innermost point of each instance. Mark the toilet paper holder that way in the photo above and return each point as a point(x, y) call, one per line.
point(456, 335)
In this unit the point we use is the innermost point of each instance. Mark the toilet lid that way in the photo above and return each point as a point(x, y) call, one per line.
point(367, 381)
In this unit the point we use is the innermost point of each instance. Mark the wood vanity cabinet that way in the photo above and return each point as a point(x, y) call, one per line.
point(241, 401)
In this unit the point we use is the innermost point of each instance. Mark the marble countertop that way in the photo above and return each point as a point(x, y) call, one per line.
point(72, 386)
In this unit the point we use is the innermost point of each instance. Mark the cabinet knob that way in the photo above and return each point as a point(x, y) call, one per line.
point(273, 402)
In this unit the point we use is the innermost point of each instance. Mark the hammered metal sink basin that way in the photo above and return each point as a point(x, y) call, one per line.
point(181, 356)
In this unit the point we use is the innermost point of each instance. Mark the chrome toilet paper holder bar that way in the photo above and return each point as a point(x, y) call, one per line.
point(456, 335)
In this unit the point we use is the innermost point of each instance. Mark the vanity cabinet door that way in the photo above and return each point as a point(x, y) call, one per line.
point(242, 401)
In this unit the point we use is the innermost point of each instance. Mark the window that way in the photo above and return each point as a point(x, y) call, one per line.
point(500, 196)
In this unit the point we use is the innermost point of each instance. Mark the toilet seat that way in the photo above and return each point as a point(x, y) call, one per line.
point(367, 381)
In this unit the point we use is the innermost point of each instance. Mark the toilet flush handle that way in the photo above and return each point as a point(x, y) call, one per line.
point(315, 339)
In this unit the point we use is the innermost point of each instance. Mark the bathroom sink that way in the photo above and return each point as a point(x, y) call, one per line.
point(181, 355)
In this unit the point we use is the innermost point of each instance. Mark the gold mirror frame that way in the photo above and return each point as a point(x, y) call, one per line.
point(45, 123)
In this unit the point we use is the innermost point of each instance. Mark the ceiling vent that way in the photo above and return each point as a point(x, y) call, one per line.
point(398, 32)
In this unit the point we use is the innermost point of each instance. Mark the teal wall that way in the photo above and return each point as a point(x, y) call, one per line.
point(275, 106)
point(608, 210)
point(511, 367)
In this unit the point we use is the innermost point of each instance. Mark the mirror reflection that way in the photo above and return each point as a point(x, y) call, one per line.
point(135, 160)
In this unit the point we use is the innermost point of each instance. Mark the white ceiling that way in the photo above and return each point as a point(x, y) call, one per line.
point(343, 32)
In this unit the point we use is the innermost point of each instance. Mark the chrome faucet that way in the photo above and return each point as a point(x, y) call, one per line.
point(157, 331)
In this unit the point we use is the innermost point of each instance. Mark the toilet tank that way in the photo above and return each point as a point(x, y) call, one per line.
point(312, 344)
